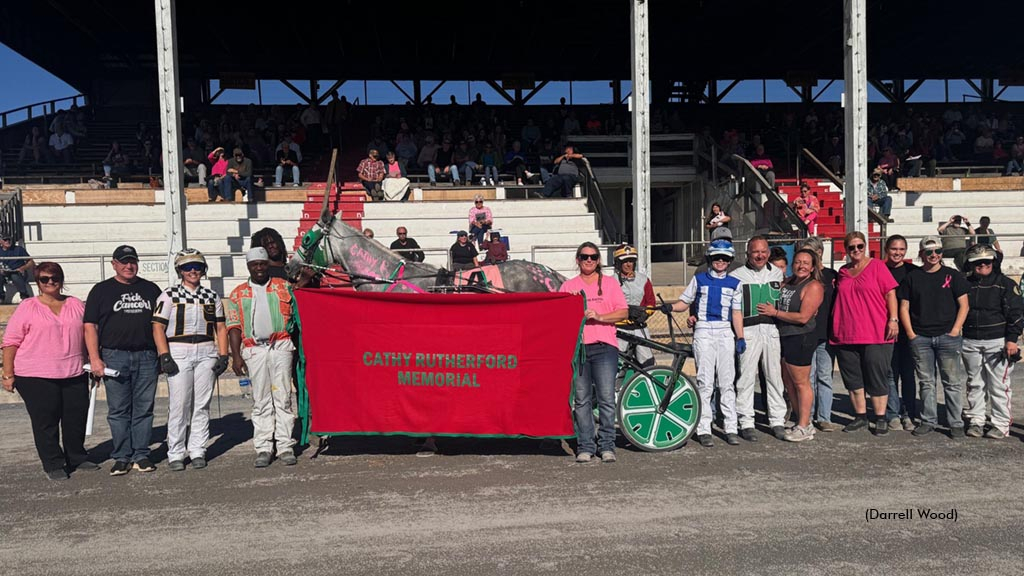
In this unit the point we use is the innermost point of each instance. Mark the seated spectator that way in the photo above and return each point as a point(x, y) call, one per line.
point(763, 164)
point(954, 140)
point(61, 144)
point(878, 194)
point(287, 142)
point(407, 247)
point(371, 174)
point(35, 145)
point(480, 219)
point(956, 239)
point(443, 164)
point(717, 218)
point(463, 253)
point(983, 146)
point(984, 235)
point(16, 265)
point(1016, 163)
point(149, 159)
point(116, 162)
point(530, 134)
point(219, 171)
point(194, 160)
point(368, 232)
point(427, 155)
point(515, 160)
point(75, 123)
point(807, 207)
point(142, 134)
point(288, 157)
point(405, 151)
point(464, 162)
point(240, 175)
point(495, 249)
point(567, 174)
point(395, 185)
point(489, 160)
point(889, 164)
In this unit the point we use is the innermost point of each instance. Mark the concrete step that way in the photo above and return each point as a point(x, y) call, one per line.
point(1002, 215)
point(509, 226)
point(500, 208)
point(82, 213)
point(959, 199)
point(129, 232)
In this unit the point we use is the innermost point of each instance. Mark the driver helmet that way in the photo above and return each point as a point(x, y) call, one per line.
point(721, 247)
point(188, 256)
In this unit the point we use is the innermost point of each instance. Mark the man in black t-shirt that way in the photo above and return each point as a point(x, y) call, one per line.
point(933, 308)
point(407, 247)
point(119, 336)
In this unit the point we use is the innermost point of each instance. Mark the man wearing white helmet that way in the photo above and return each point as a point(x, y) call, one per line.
point(192, 341)
point(718, 336)
point(639, 293)
point(760, 283)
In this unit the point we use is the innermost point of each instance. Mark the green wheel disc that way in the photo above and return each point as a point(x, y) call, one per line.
point(639, 419)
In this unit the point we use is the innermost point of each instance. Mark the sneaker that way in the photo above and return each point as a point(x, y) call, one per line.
point(974, 431)
point(732, 439)
point(584, 457)
point(263, 459)
point(858, 423)
point(995, 434)
point(87, 466)
point(528, 174)
point(908, 423)
point(956, 432)
point(748, 434)
point(120, 468)
point(779, 432)
point(705, 440)
point(58, 474)
point(922, 429)
point(826, 426)
point(881, 427)
point(895, 424)
point(607, 456)
point(296, 184)
point(198, 463)
point(799, 434)
point(176, 465)
point(288, 459)
point(143, 465)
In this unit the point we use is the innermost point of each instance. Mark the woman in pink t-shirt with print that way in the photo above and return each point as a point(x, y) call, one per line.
point(864, 327)
point(606, 305)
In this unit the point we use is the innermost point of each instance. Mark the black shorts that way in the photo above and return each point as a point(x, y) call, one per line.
point(798, 350)
point(865, 366)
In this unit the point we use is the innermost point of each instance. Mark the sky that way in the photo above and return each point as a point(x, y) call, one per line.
point(26, 83)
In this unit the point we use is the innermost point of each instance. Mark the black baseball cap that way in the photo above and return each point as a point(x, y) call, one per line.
point(125, 254)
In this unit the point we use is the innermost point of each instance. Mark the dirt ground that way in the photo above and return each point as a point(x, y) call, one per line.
point(371, 506)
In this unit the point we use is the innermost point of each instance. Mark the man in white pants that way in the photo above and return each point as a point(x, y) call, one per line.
point(990, 348)
point(258, 315)
point(759, 284)
point(192, 341)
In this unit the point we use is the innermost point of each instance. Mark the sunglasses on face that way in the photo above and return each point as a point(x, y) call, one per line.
point(585, 257)
point(855, 247)
point(720, 258)
point(194, 267)
point(982, 262)
point(932, 252)
point(50, 280)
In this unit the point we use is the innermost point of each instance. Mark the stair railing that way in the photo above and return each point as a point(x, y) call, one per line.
point(834, 179)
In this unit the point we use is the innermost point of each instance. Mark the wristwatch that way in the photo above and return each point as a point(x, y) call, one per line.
point(894, 320)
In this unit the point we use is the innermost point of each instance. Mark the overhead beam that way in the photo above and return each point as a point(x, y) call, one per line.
point(909, 91)
point(214, 97)
point(855, 75)
point(886, 92)
point(536, 89)
point(822, 91)
point(501, 92)
point(337, 84)
point(725, 92)
point(291, 87)
point(436, 88)
point(404, 93)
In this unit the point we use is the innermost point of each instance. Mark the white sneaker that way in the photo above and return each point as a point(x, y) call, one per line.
point(799, 434)
point(607, 456)
point(584, 457)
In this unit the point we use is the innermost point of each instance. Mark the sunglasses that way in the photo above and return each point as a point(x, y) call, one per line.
point(50, 280)
point(854, 247)
point(982, 262)
point(403, 233)
point(932, 252)
point(585, 257)
point(192, 267)
point(721, 258)
point(479, 202)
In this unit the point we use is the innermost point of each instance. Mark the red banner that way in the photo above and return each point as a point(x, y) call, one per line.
point(440, 364)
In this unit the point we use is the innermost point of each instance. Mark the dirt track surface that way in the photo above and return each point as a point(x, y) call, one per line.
point(370, 506)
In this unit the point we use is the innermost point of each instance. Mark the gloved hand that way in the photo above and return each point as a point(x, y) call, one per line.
point(168, 365)
point(741, 345)
point(666, 308)
point(220, 365)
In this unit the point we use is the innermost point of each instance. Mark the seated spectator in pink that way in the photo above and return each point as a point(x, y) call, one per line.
point(480, 219)
point(764, 165)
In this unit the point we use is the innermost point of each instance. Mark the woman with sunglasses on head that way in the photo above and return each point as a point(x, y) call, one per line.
point(864, 326)
point(192, 340)
point(799, 299)
point(606, 305)
point(43, 351)
point(993, 327)
point(901, 410)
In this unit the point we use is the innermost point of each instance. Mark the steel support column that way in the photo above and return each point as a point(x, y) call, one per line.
point(170, 133)
point(640, 160)
point(855, 79)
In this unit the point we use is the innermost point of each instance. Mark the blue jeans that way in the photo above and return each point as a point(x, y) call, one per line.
point(279, 176)
point(901, 378)
point(467, 170)
point(491, 173)
point(130, 398)
point(822, 366)
point(479, 232)
point(453, 170)
point(562, 185)
point(1014, 166)
point(945, 349)
point(884, 205)
point(597, 374)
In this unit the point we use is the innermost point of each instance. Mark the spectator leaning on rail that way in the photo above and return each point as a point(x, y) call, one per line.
point(192, 341)
point(16, 264)
point(119, 335)
point(567, 174)
point(43, 354)
point(933, 309)
point(259, 314)
point(990, 349)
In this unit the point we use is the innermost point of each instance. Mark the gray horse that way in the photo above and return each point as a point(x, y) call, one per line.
point(374, 268)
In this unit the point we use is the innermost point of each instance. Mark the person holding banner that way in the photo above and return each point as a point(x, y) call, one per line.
point(606, 305)
point(43, 352)
point(187, 319)
point(258, 314)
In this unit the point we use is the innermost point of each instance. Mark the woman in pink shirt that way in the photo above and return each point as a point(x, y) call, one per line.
point(44, 348)
point(606, 305)
point(864, 327)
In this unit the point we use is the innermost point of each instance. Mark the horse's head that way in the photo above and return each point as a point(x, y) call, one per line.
point(310, 259)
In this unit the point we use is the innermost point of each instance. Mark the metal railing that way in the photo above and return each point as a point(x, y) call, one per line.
point(46, 108)
point(12, 219)
point(838, 182)
point(606, 220)
point(791, 222)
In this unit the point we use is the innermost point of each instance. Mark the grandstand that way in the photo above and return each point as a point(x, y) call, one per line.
point(72, 213)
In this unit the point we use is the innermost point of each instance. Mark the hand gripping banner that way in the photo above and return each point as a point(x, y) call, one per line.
point(439, 364)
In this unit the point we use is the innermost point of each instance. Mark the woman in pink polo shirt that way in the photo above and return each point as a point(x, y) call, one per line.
point(864, 327)
point(44, 348)
point(606, 305)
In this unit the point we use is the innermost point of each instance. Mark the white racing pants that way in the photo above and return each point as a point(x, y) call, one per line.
point(714, 350)
point(988, 378)
point(763, 351)
point(270, 369)
point(189, 393)
point(643, 353)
